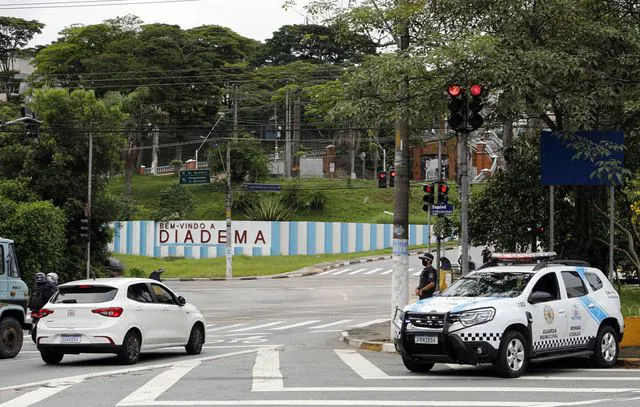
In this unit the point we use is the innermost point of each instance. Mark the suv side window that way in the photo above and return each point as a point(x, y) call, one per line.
point(162, 295)
point(548, 284)
point(140, 293)
point(593, 280)
point(575, 285)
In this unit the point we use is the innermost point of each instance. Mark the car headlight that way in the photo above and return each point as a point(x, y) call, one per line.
point(398, 317)
point(477, 316)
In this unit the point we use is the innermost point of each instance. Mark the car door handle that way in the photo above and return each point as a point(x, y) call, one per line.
point(561, 311)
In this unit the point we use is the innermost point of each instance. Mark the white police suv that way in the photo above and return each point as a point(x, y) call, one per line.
point(515, 309)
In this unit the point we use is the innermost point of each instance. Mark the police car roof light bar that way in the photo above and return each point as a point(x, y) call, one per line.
point(523, 257)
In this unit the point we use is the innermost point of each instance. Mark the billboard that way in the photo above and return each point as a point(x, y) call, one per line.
point(560, 163)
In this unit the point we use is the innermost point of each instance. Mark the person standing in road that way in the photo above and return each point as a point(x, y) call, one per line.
point(428, 278)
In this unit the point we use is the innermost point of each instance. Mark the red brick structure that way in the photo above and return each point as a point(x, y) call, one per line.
point(430, 150)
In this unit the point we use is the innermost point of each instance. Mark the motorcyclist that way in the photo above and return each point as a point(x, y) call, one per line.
point(53, 278)
point(43, 289)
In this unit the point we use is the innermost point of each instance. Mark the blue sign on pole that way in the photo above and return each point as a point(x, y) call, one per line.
point(446, 210)
point(262, 187)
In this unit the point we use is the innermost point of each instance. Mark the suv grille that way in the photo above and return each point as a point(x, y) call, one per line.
point(427, 320)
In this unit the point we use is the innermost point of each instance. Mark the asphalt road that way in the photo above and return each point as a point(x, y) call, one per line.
point(275, 342)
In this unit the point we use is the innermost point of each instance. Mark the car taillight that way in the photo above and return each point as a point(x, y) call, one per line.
point(113, 312)
point(44, 312)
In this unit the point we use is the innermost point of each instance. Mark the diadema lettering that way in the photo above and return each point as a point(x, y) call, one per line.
point(213, 233)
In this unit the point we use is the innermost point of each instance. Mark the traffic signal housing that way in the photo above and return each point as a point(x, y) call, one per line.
point(443, 193)
point(429, 196)
point(382, 179)
point(84, 228)
point(392, 177)
point(457, 105)
point(475, 107)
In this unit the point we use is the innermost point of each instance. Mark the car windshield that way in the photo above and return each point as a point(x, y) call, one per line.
point(489, 284)
point(84, 294)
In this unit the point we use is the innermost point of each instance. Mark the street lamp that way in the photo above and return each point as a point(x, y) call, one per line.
point(221, 114)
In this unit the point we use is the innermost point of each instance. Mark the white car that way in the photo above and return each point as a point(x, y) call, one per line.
point(508, 314)
point(117, 315)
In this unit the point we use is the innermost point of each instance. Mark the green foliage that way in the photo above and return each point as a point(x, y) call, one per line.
point(17, 190)
point(248, 160)
point(136, 273)
point(244, 200)
point(293, 195)
point(176, 203)
point(269, 209)
point(176, 164)
point(317, 200)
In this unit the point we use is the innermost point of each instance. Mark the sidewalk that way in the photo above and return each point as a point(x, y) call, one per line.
point(376, 338)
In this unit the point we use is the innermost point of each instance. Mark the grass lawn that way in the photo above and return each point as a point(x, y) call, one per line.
point(630, 300)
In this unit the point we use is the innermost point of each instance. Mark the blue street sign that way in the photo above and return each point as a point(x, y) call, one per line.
point(446, 210)
point(262, 187)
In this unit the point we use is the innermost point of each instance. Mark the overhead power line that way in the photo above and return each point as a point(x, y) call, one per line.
point(85, 3)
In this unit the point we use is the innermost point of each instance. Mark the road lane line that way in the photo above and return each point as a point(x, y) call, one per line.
point(341, 271)
point(423, 403)
point(154, 388)
point(257, 326)
point(454, 390)
point(303, 323)
point(225, 327)
point(42, 393)
point(371, 272)
point(386, 272)
point(357, 271)
point(266, 371)
point(375, 321)
point(326, 272)
point(342, 321)
point(359, 364)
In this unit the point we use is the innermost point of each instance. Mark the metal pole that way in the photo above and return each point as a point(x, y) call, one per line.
point(552, 218)
point(154, 158)
point(611, 230)
point(89, 203)
point(438, 240)
point(287, 150)
point(229, 246)
point(464, 210)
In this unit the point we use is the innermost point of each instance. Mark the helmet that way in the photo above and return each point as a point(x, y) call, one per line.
point(40, 278)
point(53, 278)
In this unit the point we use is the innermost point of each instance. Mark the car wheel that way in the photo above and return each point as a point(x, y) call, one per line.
point(11, 336)
point(196, 340)
point(512, 358)
point(130, 351)
point(416, 366)
point(607, 347)
point(51, 358)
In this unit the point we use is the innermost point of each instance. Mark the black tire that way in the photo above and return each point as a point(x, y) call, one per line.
point(196, 340)
point(607, 347)
point(130, 351)
point(11, 337)
point(513, 355)
point(51, 358)
point(415, 365)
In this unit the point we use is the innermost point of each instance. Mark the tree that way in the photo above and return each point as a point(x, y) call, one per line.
point(15, 33)
point(248, 161)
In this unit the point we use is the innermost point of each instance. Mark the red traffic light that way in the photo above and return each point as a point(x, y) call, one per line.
point(475, 90)
point(428, 188)
point(444, 188)
point(381, 175)
point(454, 91)
point(392, 173)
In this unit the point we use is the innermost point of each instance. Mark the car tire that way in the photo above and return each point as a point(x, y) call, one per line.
point(416, 366)
point(51, 358)
point(11, 337)
point(34, 334)
point(196, 340)
point(130, 351)
point(513, 355)
point(607, 348)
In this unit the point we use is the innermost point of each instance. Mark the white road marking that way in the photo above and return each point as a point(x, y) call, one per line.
point(326, 272)
point(225, 327)
point(375, 321)
point(372, 271)
point(424, 403)
point(257, 326)
point(41, 393)
point(327, 330)
point(359, 364)
point(386, 272)
point(266, 371)
point(210, 325)
point(357, 271)
point(416, 274)
point(484, 389)
point(303, 323)
point(341, 271)
point(342, 321)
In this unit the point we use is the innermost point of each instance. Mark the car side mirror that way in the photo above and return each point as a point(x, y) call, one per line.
point(540, 296)
point(181, 301)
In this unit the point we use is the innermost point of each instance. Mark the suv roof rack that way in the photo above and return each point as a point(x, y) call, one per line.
point(577, 263)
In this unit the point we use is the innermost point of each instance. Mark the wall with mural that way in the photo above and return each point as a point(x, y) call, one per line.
point(204, 239)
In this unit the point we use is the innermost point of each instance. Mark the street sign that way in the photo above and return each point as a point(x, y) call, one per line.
point(262, 187)
point(195, 176)
point(446, 210)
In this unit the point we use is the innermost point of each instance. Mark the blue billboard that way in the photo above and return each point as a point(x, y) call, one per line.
point(560, 163)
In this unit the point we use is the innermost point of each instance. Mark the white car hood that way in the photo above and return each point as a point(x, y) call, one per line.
point(455, 304)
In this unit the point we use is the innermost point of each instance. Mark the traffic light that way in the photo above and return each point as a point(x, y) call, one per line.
point(443, 194)
point(392, 177)
point(382, 179)
point(475, 106)
point(457, 106)
point(428, 198)
point(84, 228)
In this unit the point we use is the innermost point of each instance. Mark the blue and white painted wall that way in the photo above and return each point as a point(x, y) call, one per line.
point(204, 239)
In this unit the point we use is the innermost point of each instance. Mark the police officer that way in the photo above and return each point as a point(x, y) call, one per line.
point(428, 278)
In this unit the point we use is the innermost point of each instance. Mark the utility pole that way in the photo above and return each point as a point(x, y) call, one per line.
point(156, 142)
point(464, 202)
point(287, 132)
point(229, 200)
point(400, 279)
point(88, 209)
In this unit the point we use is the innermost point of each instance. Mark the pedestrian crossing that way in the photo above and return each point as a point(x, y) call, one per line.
point(314, 325)
point(364, 271)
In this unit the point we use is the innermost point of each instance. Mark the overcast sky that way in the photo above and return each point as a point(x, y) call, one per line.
point(256, 19)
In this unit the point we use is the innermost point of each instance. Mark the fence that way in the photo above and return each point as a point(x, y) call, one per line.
point(206, 239)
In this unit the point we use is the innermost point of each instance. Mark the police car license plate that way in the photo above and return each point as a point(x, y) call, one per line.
point(426, 340)
point(70, 339)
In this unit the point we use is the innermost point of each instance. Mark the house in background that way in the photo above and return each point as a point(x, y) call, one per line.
point(17, 84)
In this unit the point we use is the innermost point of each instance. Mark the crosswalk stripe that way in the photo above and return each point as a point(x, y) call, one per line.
point(357, 271)
point(416, 274)
point(257, 326)
point(326, 272)
point(359, 364)
point(210, 325)
point(375, 321)
point(341, 271)
point(386, 272)
point(225, 327)
point(303, 323)
point(41, 393)
point(372, 271)
point(342, 321)
point(266, 371)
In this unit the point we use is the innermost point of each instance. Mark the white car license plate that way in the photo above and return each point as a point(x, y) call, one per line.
point(70, 339)
point(427, 340)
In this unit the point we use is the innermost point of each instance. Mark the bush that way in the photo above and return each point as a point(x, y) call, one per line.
point(136, 272)
point(245, 200)
point(293, 195)
point(176, 202)
point(317, 200)
point(269, 209)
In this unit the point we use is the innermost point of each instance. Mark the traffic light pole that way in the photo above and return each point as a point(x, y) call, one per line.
point(88, 210)
point(464, 202)
point(438, 238)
